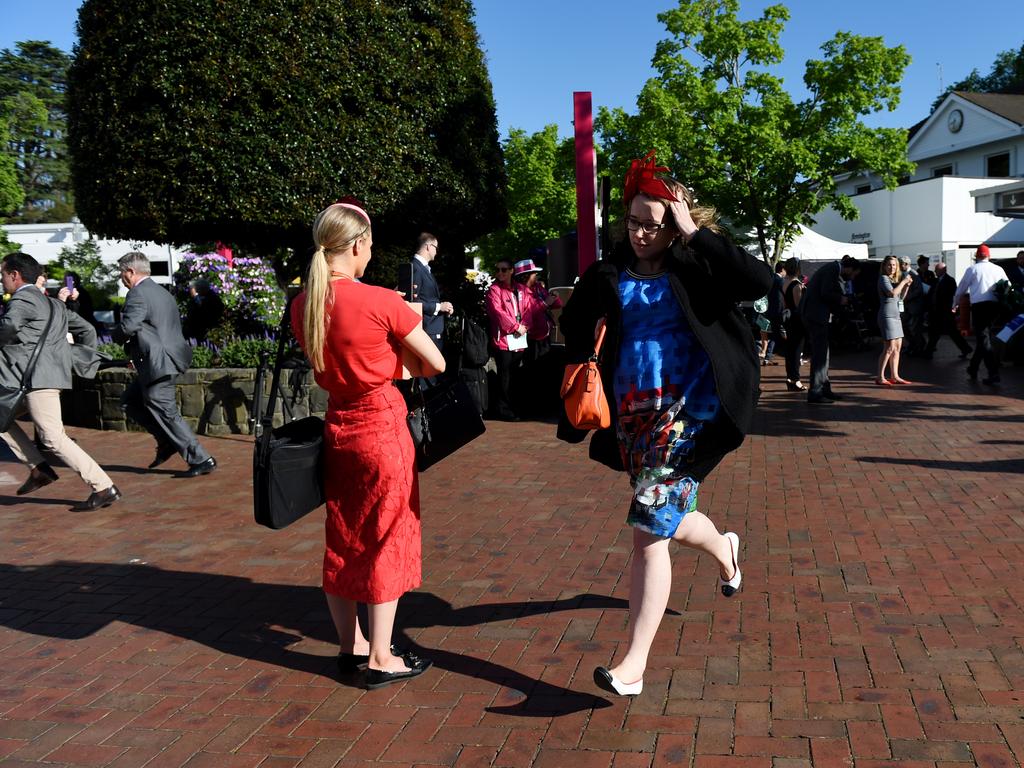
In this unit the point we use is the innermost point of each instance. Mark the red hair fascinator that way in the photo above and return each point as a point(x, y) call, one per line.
point(642, 177)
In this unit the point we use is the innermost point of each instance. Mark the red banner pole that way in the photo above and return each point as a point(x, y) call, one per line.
point(586, 180)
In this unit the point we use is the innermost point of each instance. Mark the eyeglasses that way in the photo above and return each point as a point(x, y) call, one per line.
point(651, 227)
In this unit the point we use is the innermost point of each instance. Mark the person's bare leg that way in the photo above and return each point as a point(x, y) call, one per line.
point(346, 623)
point(698, 532)
point(883, 359)
point(382, 624)
point(649, 590)
point(894, 363)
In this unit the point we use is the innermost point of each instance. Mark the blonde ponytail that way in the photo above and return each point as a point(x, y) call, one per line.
point(314, 318)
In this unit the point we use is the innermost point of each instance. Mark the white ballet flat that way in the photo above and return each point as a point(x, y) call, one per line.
point(608, 682)
point(732, 586)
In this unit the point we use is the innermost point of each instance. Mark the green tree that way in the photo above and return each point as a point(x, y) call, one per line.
point(32, 86)
point(1006, 76)
point(238, 120)
point(541, 194)
point(728, 128)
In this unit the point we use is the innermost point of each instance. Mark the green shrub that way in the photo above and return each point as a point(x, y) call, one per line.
point(203, 357)
point(245, 353)
point(113, 350)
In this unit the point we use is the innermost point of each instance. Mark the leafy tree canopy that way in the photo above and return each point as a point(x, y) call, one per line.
point(728, 128)
point(1006, 76)
point(541, 195)
point(238, 120)
point(33, 80)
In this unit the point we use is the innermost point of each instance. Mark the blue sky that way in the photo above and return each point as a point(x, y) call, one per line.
point(540, 51)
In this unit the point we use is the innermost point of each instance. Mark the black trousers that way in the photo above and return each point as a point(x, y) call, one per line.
point(944, 324)
point(155, 408)
point(983, 316)
point(509, 365)
point(794, 346)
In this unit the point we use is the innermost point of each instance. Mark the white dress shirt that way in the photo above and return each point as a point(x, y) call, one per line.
point(979, 279)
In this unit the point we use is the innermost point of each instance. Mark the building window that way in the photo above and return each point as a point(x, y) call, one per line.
point(998, 165)
point(863, 189)
point(942, 170)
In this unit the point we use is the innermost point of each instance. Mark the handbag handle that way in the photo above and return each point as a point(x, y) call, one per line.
point(266, 420)
point(600, 340)
point(30, 367)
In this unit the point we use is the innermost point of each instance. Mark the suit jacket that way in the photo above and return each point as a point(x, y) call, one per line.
point(823, 294)
point(942, 295)
point(424, 291)
point(151, 331)
point(20, 330)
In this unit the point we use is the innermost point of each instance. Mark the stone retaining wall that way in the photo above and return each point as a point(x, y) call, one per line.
point(214, 401)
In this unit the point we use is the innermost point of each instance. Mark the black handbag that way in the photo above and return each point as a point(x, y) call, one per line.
point(11, 397)
point(445, 419)
point(287, 464)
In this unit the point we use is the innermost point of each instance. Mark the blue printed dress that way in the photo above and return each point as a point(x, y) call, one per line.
point(665, 394)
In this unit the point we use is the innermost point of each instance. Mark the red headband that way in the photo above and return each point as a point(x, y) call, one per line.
point(354, 204)
point(641, 177)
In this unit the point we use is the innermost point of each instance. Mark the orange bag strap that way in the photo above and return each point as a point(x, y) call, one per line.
point(599, 342)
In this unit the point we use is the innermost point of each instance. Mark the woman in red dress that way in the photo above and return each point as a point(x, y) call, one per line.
point(354, 334)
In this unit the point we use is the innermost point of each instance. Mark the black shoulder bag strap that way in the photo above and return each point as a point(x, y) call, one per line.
point(265, 420)
point(26, 375)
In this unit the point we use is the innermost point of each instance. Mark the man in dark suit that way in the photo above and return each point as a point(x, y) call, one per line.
point(942, 322)
point(824, 296)
point(417, 282)
point(151, 329)
point(21, 332)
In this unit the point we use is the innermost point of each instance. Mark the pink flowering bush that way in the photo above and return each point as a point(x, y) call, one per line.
point(247, 287)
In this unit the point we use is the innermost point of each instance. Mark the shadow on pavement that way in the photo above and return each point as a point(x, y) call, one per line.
point(992, 465)
point(72, 600)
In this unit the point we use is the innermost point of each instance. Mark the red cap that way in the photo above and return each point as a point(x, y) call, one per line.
point(982, 251)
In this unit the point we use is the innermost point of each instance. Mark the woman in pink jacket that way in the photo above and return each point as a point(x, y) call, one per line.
point(509, 308)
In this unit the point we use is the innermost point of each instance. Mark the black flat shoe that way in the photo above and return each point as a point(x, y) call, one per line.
point(794, 386)
point(202, 468)
point(353, 662)
point(98, 500)
point(41, 474)
point(348, 663)
point(378, 678)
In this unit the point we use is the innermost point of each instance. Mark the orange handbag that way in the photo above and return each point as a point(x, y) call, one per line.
point(583, 393)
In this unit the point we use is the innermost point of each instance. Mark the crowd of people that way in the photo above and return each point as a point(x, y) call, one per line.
point(677, 371)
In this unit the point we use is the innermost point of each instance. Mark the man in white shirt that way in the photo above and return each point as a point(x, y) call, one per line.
point(978, 283)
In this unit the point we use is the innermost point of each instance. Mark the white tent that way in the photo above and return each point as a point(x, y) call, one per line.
point(808, 245)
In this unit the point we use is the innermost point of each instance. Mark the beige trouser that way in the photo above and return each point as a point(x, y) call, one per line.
point(44, 409)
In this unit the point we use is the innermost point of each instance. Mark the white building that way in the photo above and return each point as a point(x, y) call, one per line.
point(44, 242)
point(967, 189)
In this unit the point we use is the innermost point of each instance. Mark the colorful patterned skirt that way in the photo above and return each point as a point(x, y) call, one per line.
point(657, 451)
point(373, 505)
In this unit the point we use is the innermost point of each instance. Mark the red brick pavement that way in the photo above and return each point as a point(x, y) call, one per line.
point(880, 621)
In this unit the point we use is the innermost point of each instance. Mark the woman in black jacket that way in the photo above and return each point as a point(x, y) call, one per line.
point(681, 376)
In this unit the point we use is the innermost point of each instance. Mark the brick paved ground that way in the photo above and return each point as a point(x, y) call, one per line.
point(880, 622)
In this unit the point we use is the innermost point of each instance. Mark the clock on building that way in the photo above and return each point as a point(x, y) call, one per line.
point(955, 121)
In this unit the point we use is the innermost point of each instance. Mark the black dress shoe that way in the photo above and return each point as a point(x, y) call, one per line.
point(378, 678)
point(163, 453)
point(819, 398)
point(353, 662)
point(41, 474)
point(202, 468)
point(98, 500)
point(832, 395)
point(991, 381)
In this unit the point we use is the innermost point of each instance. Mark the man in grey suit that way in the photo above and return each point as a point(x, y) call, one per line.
point(825, 294)
point(151, 329)
point(21, 331)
